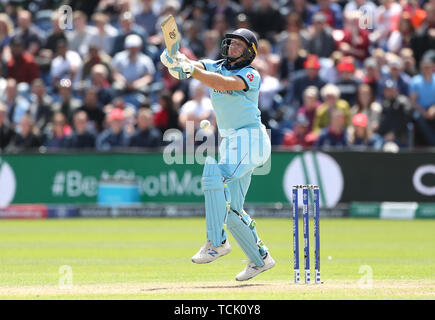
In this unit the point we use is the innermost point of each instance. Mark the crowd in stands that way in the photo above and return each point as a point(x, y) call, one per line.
point(356, 74)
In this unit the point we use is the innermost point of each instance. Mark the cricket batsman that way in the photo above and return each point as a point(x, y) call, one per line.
point(234, 89)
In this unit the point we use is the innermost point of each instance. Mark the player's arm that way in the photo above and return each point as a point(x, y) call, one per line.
point(196, 64)
point(218, 81)
point(197, 70)
point(415, 105)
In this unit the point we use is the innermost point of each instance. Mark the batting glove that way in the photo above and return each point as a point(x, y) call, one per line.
point(171, 62)
point(178, 73)
point(185, 65)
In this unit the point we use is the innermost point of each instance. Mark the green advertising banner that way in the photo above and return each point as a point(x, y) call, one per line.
point(74, 178)
point(343, 177)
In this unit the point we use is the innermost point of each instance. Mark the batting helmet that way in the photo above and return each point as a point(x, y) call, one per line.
point(248, 37)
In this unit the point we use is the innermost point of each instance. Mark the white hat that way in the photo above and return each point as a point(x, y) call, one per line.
point(330, 89)
point(133, 41)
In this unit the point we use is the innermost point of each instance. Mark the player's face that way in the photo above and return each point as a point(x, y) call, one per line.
point(236, 48)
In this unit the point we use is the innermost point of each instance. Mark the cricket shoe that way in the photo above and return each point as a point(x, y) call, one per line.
point(252, 270)
point(209, 253)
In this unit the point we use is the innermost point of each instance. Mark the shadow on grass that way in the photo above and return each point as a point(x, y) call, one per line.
point(245, 285)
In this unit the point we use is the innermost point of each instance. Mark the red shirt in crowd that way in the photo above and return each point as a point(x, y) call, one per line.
point(360, 43)
point(23, 69)
point(292, 138)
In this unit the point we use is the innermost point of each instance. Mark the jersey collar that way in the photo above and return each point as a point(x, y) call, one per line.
point(238, 65)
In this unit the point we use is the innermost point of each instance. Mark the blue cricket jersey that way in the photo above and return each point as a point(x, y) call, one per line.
point(235, 109)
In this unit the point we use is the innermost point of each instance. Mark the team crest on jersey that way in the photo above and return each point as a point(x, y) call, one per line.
point(250, 76)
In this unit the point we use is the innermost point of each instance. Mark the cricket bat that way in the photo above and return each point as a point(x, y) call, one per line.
point(171, 35)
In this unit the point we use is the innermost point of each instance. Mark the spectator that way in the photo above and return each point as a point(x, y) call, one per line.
point(292, 62)
point(6, 31)
point(355, 40)
point(227, 8)
point(96, 56)
point(16, 104)
point(56, 137)
point(93, 109)
point(310, 106)
point(407, 57)
point(165, 115)
point(146, 136)
point(269, 89)
point(88, 7)
point(397, 75)
point(6, 130)
point(147, 18)
point(332, 11)
point(130, 119)
point(199, 16)
point(67, 104)
point(99, 78)
point(423, 100)
point(22, 66)
point(331, 95)
point(197, 109)
point(366, 104)
point(41, 105)
point(67, 65)
point(301, 82)
point(424, 39)
point(294, 25)
point(104, 34)
point(26, 137)
point(401, 38)
point(193, 39)
point(220, 24)
point(359, 134)
point(417, 15)
point(81, 137)
point(321, 42)
point(51, 43)
point(128, 27)
point(396, 114)
point(347, 84)
point(211, 45)
point(386, 20)
point(242, 21)
point(264, 53)
point(114, 136)
point(380, 56)
point(79, 37)
point(132, 70)
point(334, 135)
point(30, 35)
point(329, 67)
point(371, 74)
point(300, 136)
point(301, 9)
point(267, 19)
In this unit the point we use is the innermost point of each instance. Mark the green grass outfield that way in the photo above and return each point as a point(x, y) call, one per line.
point(149, 258)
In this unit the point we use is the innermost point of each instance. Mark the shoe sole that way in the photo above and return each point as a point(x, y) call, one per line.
point(213, 259)
point(257, 273)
